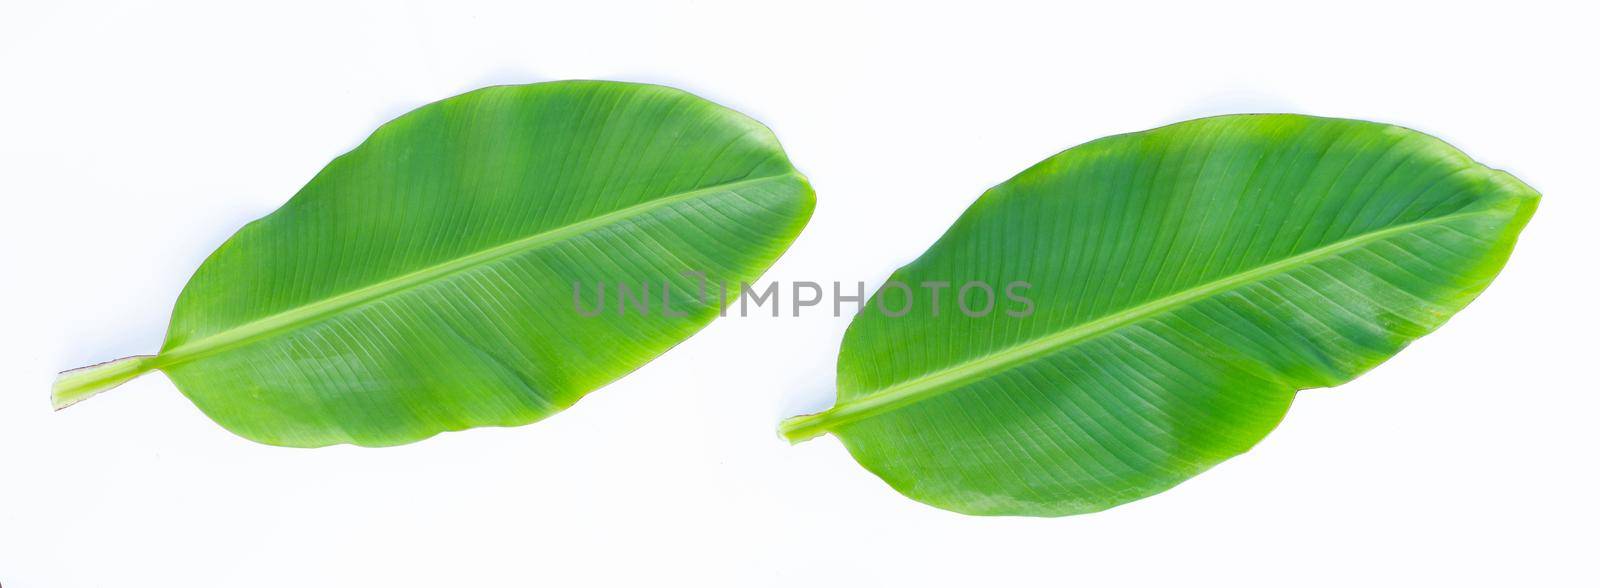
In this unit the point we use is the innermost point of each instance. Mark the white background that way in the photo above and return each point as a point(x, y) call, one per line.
point(135, 138)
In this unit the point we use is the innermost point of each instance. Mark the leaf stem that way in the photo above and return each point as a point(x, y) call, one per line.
point(805, 427)
point(73, 386)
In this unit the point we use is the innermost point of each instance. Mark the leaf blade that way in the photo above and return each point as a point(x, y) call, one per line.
point(427, 280)
point(1071, 412)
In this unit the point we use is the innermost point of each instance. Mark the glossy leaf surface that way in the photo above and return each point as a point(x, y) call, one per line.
point(425, 281)
point(1187, 281)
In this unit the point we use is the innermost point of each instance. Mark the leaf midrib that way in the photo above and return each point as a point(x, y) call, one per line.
point(316, 311)
point(914, 390)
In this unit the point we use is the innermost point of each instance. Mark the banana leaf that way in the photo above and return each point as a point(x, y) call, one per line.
point(429, 280)
point(1162, 296)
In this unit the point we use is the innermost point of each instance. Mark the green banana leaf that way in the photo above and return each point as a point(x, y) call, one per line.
point(429, 280)
point(1179, 286)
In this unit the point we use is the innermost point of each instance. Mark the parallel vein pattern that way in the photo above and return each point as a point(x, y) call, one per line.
point(1188, 281)
point(316, 311)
